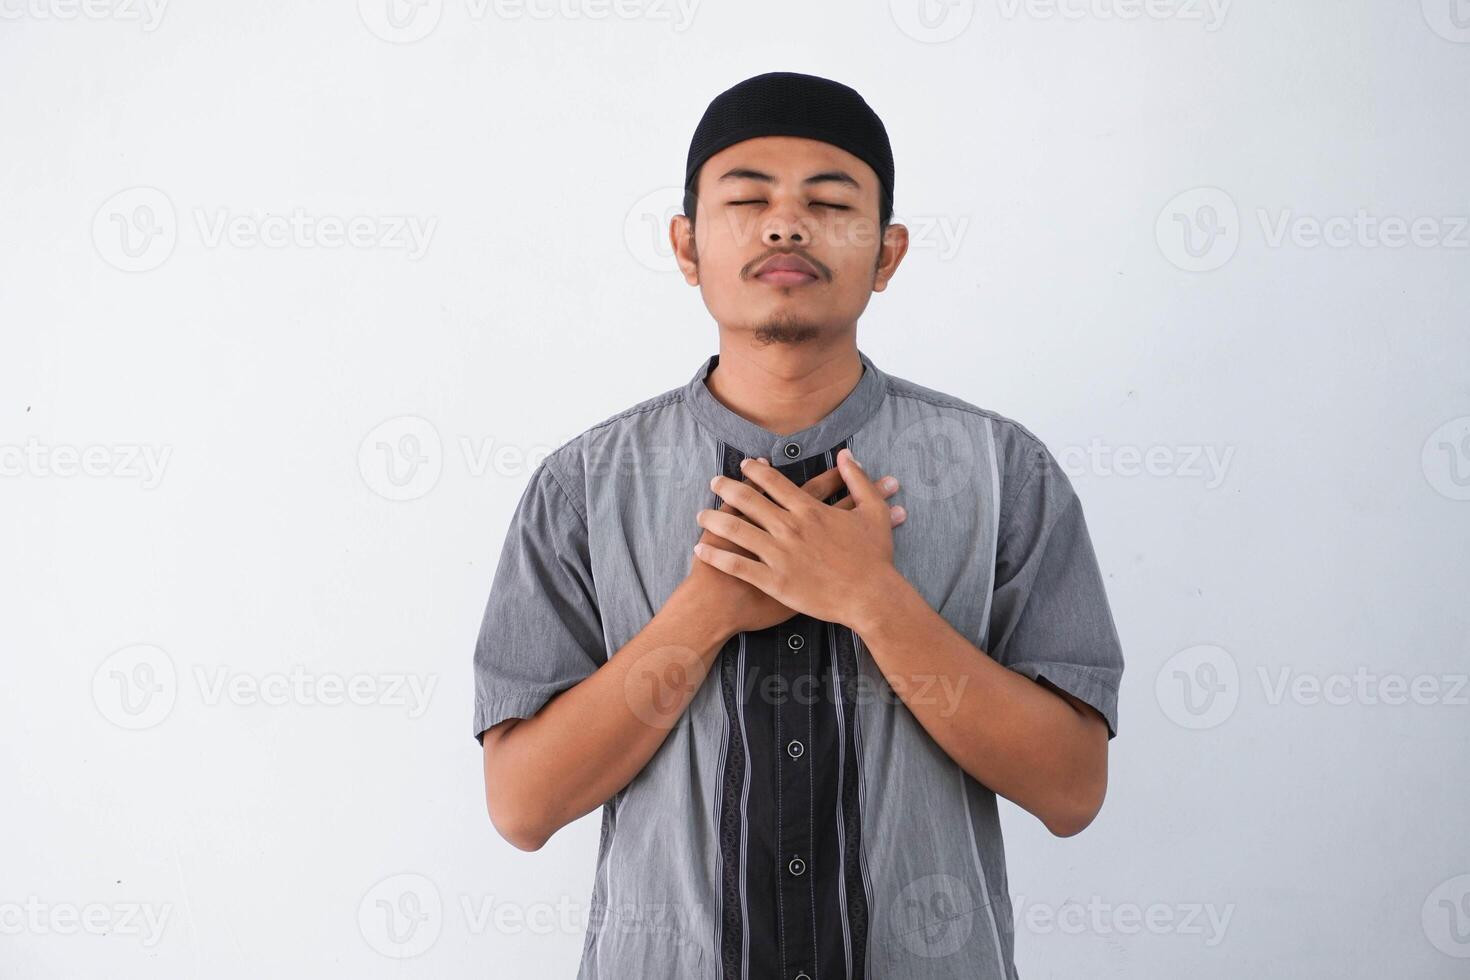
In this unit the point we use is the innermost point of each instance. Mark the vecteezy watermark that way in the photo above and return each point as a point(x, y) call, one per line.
point(1362, 686)
point(1099, 917)
point(939, 457)
point(1445, 917)
point(400, 21)
point(1198, 687)
point(403, 458)
point(144, 921)
point(1363, 229)
point(407, 21)
point(401, 916)
point(137, 229)
point(148, 13)
point(1210, 14)
point(933, 916)
point(137, 687)
point(646, 227)
point(1209, 464)
point(404, 914)
point(932, 21)
point(123, 461)
point(1199, 230)
point(1450, 19)
point(297, 686)
point(1445, 459)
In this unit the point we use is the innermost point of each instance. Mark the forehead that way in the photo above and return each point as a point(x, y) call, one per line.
point(787, 159)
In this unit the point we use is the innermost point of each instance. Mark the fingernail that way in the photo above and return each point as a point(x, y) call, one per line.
point(744, 461)
point(899, 512)
point(888, 483)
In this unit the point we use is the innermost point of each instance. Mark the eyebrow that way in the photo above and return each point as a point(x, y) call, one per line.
point(825, 177)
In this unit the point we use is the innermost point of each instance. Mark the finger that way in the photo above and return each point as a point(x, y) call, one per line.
point(888, 486)
point(824, 484)
point(774, 483)
point(858, 484)
point(745, 569)
point(754, 506)
point(736, 530)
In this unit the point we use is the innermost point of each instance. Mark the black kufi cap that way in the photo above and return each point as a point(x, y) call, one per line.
point(784, 103)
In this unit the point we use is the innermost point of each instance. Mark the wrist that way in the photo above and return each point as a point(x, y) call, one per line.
point(709, 621)
point(877, 601)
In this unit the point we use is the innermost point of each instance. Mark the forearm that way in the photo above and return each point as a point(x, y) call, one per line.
point(589, 741)
point(1010, 733)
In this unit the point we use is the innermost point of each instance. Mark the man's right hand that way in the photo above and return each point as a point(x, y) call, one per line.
point(748, 607)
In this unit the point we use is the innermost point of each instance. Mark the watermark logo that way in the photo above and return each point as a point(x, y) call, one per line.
point(136, 687)
point(1450, 19)
point(400, 21)
point(937, 457)
point(1199, 230)
point(661, 682)
point(1446, 917)
point(1198, 687)
point(933, 915)
point(646, 228)
point(932, 21)
point(402, 458)
point(401, 916)
point(135, 230)
point(1445, 459)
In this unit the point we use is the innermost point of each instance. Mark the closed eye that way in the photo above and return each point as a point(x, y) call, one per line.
point(815, 204)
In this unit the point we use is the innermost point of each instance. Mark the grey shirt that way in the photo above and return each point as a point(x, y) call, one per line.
point(798, 822)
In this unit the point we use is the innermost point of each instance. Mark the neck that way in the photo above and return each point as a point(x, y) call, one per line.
point(784, 388)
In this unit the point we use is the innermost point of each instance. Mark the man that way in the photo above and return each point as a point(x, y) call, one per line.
point(797, 729)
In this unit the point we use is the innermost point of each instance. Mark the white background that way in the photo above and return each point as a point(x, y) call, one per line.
point(1050, 164)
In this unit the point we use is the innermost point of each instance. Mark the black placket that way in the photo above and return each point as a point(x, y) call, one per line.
point(781, 820)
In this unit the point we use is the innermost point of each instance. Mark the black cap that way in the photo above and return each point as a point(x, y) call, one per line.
point(785, 103)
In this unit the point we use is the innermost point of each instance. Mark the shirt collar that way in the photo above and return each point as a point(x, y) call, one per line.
point(750, 439)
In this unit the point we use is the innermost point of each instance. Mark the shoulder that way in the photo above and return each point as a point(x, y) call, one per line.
point(567, 464)
point(1019, 451)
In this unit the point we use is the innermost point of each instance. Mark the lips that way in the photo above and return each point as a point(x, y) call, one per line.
point(787, 270)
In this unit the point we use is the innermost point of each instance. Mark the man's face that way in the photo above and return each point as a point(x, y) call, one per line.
point(787, 198)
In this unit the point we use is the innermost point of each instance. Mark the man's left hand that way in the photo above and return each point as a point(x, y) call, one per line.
point(825, 561)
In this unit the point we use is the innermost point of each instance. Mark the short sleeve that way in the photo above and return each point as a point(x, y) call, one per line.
point(1049, 615)
point(541, 632)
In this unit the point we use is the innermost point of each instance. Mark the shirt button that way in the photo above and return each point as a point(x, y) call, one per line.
point(802, 976)
point(792, 450)
point(797, 866)
point(796, 641)
point(795, 749)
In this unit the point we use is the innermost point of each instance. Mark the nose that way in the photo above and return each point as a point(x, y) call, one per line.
point(783, 224)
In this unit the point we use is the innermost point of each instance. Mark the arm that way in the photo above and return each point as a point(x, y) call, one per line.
point(1042, 749)
point(589, 741)
point(992, 711)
